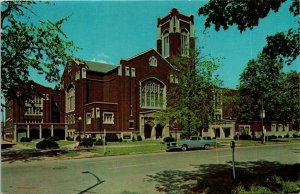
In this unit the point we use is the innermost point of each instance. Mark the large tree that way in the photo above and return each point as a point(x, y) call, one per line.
point(246, 15)
point(190, 100)
point(264, 85)
point(28, 43)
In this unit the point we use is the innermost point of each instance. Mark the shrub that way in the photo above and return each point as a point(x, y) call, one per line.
point(120, 140)
point(243, 137)
point(78, 138)
point(168, 139)
point(133, 139)
point(279, 136)
point(111, 137)
point(86, 142)
point(47, 144)
point(295, 135)
point(53, 138)
point(270, 137)
point(287, 136)
point(25, 139)
point(70, 138)
point(139, 138)
point(99, 142)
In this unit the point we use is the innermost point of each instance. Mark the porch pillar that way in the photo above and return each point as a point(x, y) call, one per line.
point(52, 131)
point(66, 131)
point(40, 129)
point(15, 133)
point(153, 132)
point(28, 131)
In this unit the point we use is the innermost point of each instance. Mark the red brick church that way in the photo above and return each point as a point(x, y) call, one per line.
point(97, 97)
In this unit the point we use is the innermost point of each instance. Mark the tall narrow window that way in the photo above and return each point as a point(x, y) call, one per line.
point(34, 106)
point(152, 94)
point(70, 99)
point(184, 43)
point(166, 44)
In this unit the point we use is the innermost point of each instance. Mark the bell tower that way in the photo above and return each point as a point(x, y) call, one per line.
point(175, 34)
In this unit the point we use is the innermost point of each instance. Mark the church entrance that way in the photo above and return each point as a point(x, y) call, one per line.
point(159, 130)
point(147, 131)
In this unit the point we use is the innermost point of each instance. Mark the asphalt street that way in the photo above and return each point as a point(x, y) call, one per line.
point(127, 174)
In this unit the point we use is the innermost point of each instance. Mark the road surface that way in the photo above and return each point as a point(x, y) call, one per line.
point(126, 174)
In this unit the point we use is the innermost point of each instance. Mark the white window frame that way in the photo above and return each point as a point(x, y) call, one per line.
point(185, 43)
point(106, 120)
point(153, 61)
point(35, 107)
point(166, 44)
point(133, 72)
point(70, 100)
point(246, 128)
point(127, 71)
point(88, 118)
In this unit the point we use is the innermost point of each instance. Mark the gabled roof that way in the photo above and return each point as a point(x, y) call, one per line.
point(152, 49)
point(99, 67)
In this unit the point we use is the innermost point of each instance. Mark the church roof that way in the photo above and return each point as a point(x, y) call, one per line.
point(99, 66)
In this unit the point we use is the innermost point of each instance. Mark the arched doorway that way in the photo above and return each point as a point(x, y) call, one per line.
point(34, 134)
point(21, 133)
point(147, 131)
point(159, 130)
point(60, 133)
point(46, 133)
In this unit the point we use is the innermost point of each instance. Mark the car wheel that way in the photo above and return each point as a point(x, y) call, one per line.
point(206, 146)
point(184, 148)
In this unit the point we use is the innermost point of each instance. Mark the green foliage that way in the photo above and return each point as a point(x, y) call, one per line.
point(70, 138)
point(120, 140)
point(111, 137)
point(47, 144)
point(99, 142)
point(26, 44)
point(133, 139)
point(86, 142)
point(25, 139)
point(263, 85)
point(53, 138)
point(168, 139)
point(247, 14)
point(139, 138)
point(190, 101)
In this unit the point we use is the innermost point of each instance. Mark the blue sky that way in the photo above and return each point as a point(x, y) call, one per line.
point(110, 31)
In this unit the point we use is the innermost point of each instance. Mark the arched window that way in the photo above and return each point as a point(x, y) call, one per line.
point(185, 43)
point(153, 94)
point(166, 44)
point(70, 99)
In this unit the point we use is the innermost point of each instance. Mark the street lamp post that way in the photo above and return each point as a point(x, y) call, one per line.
point(79, 122)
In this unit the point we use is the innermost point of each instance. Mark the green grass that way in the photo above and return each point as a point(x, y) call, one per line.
point(31, 144)
point(71, 154)
point(112, 151)
point(144, 142)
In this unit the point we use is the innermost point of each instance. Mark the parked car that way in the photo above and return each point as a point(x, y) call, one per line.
point(192, 143)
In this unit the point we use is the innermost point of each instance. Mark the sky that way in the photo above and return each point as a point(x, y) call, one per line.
point(108, 31)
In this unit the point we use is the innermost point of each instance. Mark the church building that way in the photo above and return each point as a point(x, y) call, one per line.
point(97, 98)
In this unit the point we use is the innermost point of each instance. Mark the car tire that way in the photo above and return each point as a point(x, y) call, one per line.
point(206, 146)
point(184, 148)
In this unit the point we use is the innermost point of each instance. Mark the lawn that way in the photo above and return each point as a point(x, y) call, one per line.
point(113, 151)
point(256, 177)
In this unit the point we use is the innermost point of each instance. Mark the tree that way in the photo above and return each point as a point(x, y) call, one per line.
point(263, 85)
point(246, 14)
point(190, 99)
point(27, 44)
